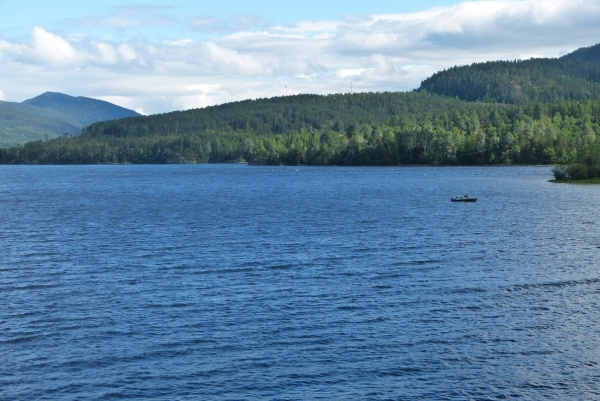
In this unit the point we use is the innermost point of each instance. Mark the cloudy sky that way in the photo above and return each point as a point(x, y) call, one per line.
point(158, 56)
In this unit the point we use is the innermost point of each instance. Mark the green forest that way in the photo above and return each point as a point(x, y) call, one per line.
point(540, 80)
point(541, 111)
point(357, 129)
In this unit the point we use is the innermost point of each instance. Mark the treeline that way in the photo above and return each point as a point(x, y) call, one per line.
point(359, 129)
point(586, 167)
point(518, 82)
point(591, 53)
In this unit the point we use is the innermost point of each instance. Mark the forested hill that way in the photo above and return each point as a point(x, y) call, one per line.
point(21, 123)
point(53, 114)
point(357, 129)
point(280, 115)
point(84, 110)
point(591, 53)
point(575, 76)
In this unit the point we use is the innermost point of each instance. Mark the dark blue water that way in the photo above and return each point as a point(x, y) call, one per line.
point(232, 282)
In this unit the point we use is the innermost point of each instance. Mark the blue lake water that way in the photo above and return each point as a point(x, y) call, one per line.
point(230, 282)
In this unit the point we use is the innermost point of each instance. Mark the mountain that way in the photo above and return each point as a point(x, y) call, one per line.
point(83, 109)
point(591, 53)
point(575, 76)
point(51, 115)
point(21, 123)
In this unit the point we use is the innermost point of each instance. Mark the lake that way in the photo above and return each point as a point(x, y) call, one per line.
point(232, 282)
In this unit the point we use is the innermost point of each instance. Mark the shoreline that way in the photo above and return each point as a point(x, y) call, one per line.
point(591, 181)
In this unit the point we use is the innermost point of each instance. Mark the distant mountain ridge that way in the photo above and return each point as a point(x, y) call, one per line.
point(53, 114)
point(575, 76)
point(84, 109)
point(21, 123)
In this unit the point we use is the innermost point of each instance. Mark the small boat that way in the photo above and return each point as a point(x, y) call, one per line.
point(465, 198)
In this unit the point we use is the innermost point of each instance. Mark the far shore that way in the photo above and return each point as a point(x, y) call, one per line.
point(592, 181)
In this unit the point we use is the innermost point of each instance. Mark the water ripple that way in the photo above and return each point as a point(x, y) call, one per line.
point(235, 282)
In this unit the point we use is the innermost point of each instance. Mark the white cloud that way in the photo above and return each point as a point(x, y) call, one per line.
point(4, 46)
point(210, 24)
point(245, 21)
point(230, 61)
point(128, 53)
point(108, 54)
point(179, 43)
point(129, 17)
point(345, 73)
point(252, 59)
point(51, 49)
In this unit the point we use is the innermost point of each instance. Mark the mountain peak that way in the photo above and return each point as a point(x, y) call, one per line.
point(84, 109)
point(52, 114)
point(50, 94)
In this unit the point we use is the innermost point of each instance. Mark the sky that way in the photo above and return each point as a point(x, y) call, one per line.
point(157, 56)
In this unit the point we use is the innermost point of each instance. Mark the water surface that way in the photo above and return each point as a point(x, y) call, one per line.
point(231, 282)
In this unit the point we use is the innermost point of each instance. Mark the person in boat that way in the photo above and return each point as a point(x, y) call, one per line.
point(466, 196)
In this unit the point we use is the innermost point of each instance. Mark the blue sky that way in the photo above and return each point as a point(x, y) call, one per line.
point(19, 16)
point(157, 56)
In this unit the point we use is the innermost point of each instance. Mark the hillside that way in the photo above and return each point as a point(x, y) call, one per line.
point(575, 76)
point(21, 123)
point(591, 53)
point(51, 115)
point(358, 129)
point(281, 115)
point(84, 110)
